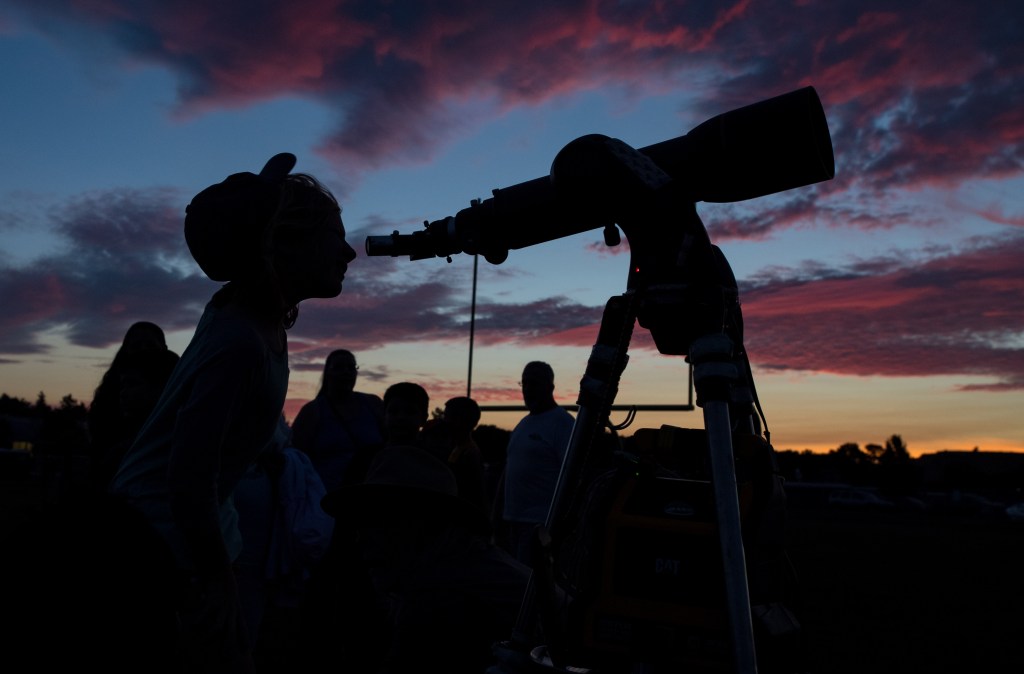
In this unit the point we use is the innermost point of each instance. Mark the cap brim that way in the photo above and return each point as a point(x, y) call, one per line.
point(278, 167)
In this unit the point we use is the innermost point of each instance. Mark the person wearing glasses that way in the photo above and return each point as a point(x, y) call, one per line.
point(341, 427)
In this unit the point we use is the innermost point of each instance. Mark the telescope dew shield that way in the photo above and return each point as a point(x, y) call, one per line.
point(772, 146)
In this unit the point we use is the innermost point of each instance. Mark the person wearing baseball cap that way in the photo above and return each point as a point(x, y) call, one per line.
point(273, 239)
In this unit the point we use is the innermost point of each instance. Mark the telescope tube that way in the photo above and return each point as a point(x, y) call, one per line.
point(774, 145)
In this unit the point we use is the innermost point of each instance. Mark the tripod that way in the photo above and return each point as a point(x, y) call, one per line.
point(681, 288)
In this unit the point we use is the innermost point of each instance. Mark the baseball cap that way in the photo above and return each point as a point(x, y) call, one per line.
point(224, 223)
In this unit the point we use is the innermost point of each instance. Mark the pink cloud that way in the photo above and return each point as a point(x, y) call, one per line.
point(958, 313)
point(951, 315)
point(927, 93)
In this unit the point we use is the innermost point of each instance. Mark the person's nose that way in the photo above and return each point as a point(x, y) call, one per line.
point(349, 253)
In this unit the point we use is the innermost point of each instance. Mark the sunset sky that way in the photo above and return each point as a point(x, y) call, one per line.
point(889, 300)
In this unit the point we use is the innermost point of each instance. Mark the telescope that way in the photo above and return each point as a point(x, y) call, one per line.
point(771, 146)
point(607, 533)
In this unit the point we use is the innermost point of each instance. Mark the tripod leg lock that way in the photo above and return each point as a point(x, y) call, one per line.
point(713, 347)
point(600, 382)
point(714, 381)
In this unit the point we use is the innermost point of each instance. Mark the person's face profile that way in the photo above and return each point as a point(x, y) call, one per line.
point(315, 259)
point(341, 374)
point(537, 387)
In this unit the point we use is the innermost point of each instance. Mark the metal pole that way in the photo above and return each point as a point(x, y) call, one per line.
point(472, 329)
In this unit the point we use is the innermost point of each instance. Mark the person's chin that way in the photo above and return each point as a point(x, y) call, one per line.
point(330, 290)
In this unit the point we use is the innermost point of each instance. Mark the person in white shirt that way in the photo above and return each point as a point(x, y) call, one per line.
point(536, 450)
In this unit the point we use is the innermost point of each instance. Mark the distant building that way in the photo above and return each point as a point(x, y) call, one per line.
point(999, 471)
point(19, 433)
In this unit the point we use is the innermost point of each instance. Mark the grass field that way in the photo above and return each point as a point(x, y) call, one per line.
point(909, 592)
point(880, 592)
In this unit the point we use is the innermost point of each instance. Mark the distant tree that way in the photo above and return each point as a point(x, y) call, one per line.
point(851, 463)
point(64, 428)
point(850, 452)
point(69, 404)
point(895, 451)
point(16, 407)
point(492, 441)
point(899, 476)
point(807, 465)
point(874, 452)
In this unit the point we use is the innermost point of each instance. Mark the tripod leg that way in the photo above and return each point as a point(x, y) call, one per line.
point(598, 389)
point(723, 478)
point(713, 375)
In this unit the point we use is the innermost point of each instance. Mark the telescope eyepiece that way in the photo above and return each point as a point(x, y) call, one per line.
point(432, 241)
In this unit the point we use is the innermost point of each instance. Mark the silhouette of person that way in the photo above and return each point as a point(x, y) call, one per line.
point(143, 375)
point(340, 425)
point(277, 239)
point(535, 453)
point(284, 534)
point(254, 497)
point(125, 395)
point(343, 619)
point(451, 441)
point(451, 593)
point(406, 409)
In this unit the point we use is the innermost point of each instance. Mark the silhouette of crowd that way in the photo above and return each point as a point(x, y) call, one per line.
point(209, 535)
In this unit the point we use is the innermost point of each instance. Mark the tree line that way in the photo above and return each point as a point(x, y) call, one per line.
point(54, 428)
point(62, 427)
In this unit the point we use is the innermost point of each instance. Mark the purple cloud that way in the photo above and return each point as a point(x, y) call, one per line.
point(124, 262)
point(957, 314)
point(927, 93)
point(942, 312)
